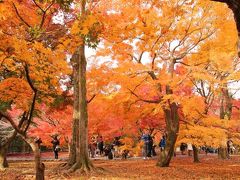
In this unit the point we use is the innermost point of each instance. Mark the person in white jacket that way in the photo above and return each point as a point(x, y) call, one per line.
point(190, 149)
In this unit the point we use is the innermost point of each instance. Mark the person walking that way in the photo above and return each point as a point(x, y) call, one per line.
point(56, 147)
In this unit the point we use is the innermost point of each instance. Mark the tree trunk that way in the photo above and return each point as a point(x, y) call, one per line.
point(172, 125)
point(82, 148)
point(3, 156)
point(75, 124)
point(225, 112)
point(39, 166)
point(4, 149)
point(222, 153)
point(195, 154)
point(82, 159)
point(80, 123)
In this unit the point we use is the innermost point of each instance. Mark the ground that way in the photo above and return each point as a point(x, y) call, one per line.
point(181, 167)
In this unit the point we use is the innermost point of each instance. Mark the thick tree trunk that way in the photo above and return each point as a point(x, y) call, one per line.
point(80, 123)
point(82, 159)
point(172, 126)
point(75, 124)
point(172, 121)
point(82, 148)
point(3, 156)
point(195, 154)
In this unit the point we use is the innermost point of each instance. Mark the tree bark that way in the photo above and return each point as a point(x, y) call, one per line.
point(81, 115)
point(39, 166)
point(4, 149)
point(172, 123)
point(80, 124)
point(3, 156)
point(172, 126)
point(225, 112)
point(75, 124)
point(195, 154)
point(222, 153)
point(82, 147)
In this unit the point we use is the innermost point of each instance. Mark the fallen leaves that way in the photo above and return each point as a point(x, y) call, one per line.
point(182, 167)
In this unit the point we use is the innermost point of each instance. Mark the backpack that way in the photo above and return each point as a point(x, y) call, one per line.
point(57, 148)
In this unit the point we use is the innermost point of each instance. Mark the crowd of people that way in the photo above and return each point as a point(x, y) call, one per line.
point(97, 147)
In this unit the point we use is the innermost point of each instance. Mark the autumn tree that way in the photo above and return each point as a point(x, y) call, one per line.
point(214, 66)
point(28, 54)
point(162, 40)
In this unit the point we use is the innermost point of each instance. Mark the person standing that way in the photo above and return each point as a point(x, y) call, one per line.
point(150, 146)
point(162, 143)
point(116, 144)
point(56, 147)
point(153, 147)
point(230, 147)
point(145, 139)
point(92, 148)
point(190, 149)
point(182, 148)
point(100, 145)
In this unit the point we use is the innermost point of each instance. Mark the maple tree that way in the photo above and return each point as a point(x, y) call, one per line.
point(165, 42)
point(28, 56)
point(167, 59)
point(211, 79)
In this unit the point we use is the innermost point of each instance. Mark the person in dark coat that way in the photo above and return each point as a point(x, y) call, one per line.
point(150, 146)
point(162, 143)
point(145, 139)
point(100, 145)
point(183, 146)
point(56, 147)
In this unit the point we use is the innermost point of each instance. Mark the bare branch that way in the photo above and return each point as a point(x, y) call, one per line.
point(88, 101)
point(153, 60)
point(38, 6)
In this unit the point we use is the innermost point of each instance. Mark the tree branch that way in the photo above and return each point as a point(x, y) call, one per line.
point(34, 98)
point(11, 121)
point(145, 100)
point(88, 101)
point(20, 17)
